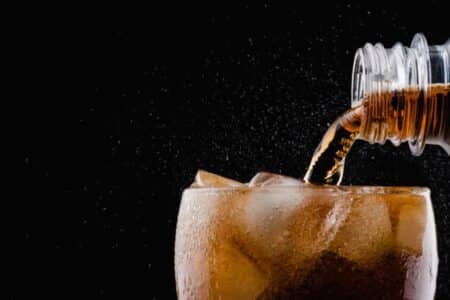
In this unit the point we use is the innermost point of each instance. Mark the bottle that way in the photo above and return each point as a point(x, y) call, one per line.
point(403, 93)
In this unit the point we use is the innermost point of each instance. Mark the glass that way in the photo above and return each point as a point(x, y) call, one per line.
point(294, 241)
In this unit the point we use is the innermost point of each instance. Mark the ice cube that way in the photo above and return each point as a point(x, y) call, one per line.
point(287, 230)
point(266, 179)
point(207, 179)
point(366, 233)
point(411, 228)
point(235, 275)
point(410, 217)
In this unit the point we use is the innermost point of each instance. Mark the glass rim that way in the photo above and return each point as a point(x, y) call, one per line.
point(343, 189)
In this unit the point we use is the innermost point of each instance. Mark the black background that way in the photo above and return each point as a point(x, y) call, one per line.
point(119, 108)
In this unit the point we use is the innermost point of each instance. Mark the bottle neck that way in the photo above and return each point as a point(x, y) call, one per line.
point(403, 92)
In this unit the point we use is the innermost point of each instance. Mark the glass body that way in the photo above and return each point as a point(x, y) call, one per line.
point(306, 242)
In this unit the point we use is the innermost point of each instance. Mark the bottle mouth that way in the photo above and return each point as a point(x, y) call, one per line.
point(359, 76)
point(377, 69)
point(372, 71)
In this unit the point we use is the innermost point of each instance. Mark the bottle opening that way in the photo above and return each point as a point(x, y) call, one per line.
point(358, 79)
point(403, 92)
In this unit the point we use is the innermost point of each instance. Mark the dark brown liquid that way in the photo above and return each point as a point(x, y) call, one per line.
point(335, 277)
point(327, 163)
point(404, 115)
